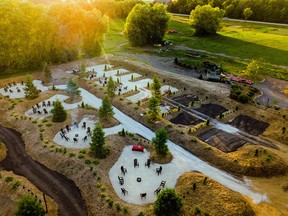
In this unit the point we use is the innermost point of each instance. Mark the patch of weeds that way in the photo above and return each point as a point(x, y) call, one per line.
point(41, 136)
point(42, 130)
point(136, 108)
point(94, 173)
point(107, 199)
point(64, 150)
point(103, 188)
point(45, 146)
point(80, 156)
point(126, 211)
point(48, 125)
point(8, 179)
point(98, 184)
point(71, 154)
point(95, 162)
point(46, 141)
point(44, 120)
point(208, 148)
point(141, 214)
point(168, 125)
point(268, 158)
point(52, 146)
point(110, 203)
point(15, 185)
point(99, 178)
point(129, 102)
point(91, 168)
point(82, 152)
point(87, 161)
point(235, 160)
point(51, 149)
point(118, 207)
point(103, 194)
point(197, 210)
point(193, 139)
point(34, 121)
point(40, 125)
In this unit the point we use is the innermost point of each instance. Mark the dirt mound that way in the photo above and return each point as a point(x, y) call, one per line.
point(203, 196)
point(212, 110)
point(221, 140)
point(250, 125)
point(186, 99)
point(185, 119)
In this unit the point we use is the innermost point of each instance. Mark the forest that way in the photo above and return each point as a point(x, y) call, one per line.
point(36, 33)
point(263, 10)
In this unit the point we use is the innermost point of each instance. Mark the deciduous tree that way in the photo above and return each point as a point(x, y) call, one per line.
point(247, 13)
point(206, 20)
point(146, 24)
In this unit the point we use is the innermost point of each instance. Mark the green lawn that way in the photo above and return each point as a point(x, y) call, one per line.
point(249, 41)
point(266, 43)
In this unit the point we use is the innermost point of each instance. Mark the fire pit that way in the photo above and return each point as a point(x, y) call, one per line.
point(139, 179)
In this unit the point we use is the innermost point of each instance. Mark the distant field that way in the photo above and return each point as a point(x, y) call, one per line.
point(245, 40)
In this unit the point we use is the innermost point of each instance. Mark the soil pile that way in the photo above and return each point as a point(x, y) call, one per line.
point(202, 195)
point(186, 99)
point(185, 119)
point(250, 125)
point(222, 140)
point(212, 110)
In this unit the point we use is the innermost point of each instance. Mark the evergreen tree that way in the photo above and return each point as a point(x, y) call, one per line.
point(154, 110)
point(29, 205)
point(72, 89)
point(156, 86)
point(159, 142)
point(98, 141)
point(47, 72)
point(111, 87)
point(106, 109)
point(30, 90)
point(58, 112)
point(168, 203)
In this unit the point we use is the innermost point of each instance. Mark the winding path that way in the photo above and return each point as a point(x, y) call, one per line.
point(63, 190)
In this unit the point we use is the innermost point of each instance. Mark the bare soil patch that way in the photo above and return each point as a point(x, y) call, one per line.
point(221, 140)
point(186, 99)
point(212, 110)
point(185, 119)
point(250, 125)
point(225, 201)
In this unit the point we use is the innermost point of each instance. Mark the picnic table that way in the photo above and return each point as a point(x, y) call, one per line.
point(137, 148)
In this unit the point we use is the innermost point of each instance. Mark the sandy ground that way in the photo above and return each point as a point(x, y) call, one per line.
point(150, 181)
point(17, 91)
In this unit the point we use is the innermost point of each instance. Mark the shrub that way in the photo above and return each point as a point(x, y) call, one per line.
point(42, 130)
point(48, 125)
point(103, 188)
point(40, 125)
point(197, 210)
point(94, 173)
point(64, 150)
point(44, 120)
point(80, 156)
point(87, 161)
point(110, 203)
point(15, 185)
point(29, 205)
point(126, 211)
point(98, 184)
point(268, 158)
point(8, 179)
point(243, 98)
point(118, 207)
point(194, 186)
point(205, 180)
point(95, 162)
point(256, 153)
point(71, 154)
point(82, 151)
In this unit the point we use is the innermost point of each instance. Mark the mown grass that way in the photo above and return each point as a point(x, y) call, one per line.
point(266, 43)
point(244, 40)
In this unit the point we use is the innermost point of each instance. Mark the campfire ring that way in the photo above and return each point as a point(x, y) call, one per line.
point(139, 179)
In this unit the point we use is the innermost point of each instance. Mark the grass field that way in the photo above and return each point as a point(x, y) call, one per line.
point(268, 44)
point(245, 40)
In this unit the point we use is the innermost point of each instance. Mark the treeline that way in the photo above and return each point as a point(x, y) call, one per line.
point(263, 10)
point(34, 34)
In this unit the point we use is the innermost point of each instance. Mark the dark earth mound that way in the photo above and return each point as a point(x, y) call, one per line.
point(250, 125)
point(222, 140)
point(186, 99)
point(185, 119)
point(211, 110)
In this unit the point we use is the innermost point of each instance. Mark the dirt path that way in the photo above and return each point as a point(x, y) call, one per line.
point(57, 186)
